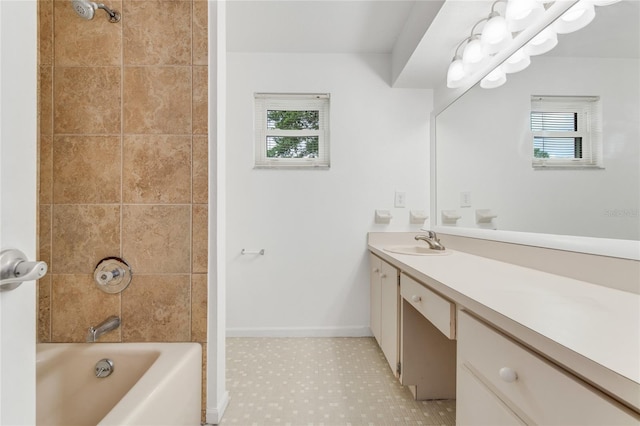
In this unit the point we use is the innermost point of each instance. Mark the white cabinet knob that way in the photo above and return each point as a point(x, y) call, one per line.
point(507, 374)
point(383, 275)
point(376, 270)
point(415, 298)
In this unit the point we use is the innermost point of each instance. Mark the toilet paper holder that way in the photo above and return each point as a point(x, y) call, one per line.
point(245, 251)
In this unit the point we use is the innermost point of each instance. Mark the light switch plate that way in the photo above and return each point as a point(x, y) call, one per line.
point(465, 199)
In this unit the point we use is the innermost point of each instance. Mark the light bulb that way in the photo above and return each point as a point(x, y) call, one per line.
point(455, 74)
point(522, 13)
point(546, 40)
point(495, 78)
point(473, 56)
point(516, 62)
point(495, 35)
point(576, 17)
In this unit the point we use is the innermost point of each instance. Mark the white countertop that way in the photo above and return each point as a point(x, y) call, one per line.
point(595, 322)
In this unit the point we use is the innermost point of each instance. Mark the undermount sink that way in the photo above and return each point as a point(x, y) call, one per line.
point(416, 250)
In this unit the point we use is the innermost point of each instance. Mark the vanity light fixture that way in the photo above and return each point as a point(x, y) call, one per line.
point(455, 74)
point(520, 14)
point(578, 16)
point(516, 62)
point(546, 40)
point(477, 47)
point(473, 56)
point(495, 33)
point(495, 78)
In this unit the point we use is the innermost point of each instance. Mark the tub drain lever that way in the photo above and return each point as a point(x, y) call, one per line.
point(104, 368)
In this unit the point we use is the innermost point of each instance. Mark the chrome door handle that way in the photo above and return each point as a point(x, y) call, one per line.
point(15, 269)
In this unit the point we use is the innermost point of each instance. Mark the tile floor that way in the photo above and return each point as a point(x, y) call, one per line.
point(320, 381)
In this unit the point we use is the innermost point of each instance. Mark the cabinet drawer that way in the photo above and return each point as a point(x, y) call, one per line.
point(536, 390)
point(438, 310)
point(476, 405)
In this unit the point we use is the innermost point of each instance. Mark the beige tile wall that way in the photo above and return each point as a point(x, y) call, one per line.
point(123, 168)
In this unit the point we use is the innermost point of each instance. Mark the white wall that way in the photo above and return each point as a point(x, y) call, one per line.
point(484, 146)
point(314, 276)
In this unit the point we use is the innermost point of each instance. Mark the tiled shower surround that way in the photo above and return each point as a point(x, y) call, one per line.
point(123, 169)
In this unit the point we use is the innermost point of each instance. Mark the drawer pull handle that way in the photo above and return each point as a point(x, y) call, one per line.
point(507, 374)
point(416, 299)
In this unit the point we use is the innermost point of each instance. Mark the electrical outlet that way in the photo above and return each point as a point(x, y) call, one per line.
point(465, 199)
point(401, 199)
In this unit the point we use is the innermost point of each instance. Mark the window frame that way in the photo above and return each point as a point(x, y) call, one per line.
point(265, 102)
point(588, 120)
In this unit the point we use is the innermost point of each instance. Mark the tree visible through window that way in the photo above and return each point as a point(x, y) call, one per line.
point(292, 130)
point(292, 146)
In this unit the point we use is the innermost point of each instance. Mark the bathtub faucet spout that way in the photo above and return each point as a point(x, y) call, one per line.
point(105, 326)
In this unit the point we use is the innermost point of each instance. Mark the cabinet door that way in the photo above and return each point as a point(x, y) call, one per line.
point(375, 301)
point(477, 405)
point(390, 299)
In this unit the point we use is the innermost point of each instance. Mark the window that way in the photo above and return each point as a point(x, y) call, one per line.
point(292, 130)
point(566, 131)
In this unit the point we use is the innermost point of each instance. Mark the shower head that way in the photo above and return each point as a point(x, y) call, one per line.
point(86, 10)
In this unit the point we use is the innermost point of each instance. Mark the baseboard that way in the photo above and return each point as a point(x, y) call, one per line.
point(356, 331)
point(214, 415)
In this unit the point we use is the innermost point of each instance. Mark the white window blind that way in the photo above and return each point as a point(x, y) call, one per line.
point(566, 131)
point(291, 130)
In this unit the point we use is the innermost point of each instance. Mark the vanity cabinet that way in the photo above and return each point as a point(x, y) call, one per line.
point(428, 348)
point(501, 382)
point(375, 264)
point(385, 299)
point(512, 345)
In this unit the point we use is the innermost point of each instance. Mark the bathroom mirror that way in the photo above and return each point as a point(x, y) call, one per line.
point(484, 148)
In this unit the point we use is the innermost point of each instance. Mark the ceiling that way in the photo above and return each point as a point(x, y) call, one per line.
point(393, 27)
point(420, 35)
point(316, 26)
point(613, 33)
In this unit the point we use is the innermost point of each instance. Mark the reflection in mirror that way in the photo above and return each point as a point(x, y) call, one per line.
point(486, 167)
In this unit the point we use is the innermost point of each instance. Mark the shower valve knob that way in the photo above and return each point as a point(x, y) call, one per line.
point(112, 275)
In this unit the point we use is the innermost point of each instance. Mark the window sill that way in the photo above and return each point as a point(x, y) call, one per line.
point(291, 166)
point(566, 167)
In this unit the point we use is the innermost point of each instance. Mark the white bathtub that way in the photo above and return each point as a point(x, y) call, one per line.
point(151, 384)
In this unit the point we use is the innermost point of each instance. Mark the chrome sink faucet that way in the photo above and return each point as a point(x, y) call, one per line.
point(105, 326)
point(432, 239)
